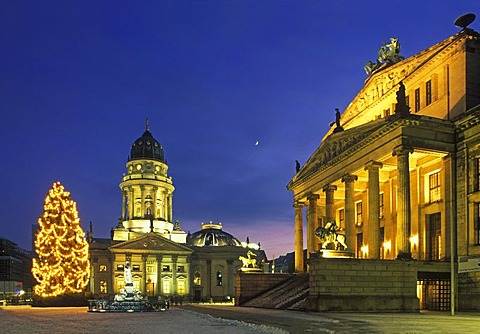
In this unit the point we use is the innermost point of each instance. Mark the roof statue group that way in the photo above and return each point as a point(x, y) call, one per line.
point(387, 55)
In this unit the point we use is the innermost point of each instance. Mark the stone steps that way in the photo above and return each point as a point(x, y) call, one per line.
point(291, 292)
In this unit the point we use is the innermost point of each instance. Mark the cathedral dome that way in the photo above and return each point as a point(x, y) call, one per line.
point(147, 147)
point(212, 235)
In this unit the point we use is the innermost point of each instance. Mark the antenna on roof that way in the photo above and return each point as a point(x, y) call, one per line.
point(464, 20)
point(147, 123)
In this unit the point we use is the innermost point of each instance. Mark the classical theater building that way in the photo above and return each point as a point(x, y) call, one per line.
point(399, 173)
point(165, 260)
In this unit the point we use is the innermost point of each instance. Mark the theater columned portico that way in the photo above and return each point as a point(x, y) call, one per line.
point(367, 187)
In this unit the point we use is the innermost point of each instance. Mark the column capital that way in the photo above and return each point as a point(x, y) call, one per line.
point(298, 204)
point(402, 150)
point(329, 187)
point(349, 178)
point(313, 197)
point(373, 165)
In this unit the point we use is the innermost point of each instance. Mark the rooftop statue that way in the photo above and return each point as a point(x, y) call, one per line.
point(387, 55)
point(338, 127)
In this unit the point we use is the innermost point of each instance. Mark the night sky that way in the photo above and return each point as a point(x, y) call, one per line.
point(79, 78)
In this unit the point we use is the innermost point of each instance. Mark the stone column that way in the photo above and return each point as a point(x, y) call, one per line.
point(159, 275)
point(373, 226)
point(124, 203)
point(209, 279)
point(299, 236)
point(230, 279)
point(142, 205)
point(170, 208)
point(144, 273)
point(403, 202)
point(154, 206)
point(174, 274)
point(131, 203)
point(329, 202)
point(350, 234)
point(312, 222)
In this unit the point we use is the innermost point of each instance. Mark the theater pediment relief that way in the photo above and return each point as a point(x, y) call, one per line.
point(337, 144)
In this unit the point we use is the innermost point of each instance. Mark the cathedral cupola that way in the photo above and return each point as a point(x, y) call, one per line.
point(147, 147)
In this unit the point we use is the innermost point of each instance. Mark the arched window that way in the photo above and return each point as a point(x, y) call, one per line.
point(197, 278)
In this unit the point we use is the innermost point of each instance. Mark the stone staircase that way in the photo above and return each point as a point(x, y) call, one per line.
point(290, 294)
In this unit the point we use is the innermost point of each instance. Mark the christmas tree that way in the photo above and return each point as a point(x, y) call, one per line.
point(62, 265)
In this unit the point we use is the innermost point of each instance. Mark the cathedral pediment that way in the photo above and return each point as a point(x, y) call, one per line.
point(150, 242)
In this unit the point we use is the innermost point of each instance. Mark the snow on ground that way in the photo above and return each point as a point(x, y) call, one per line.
point(25, 319)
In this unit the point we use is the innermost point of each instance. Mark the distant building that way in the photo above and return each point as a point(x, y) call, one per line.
point(399, 171)
point(215, 261)
point(15, 269)
point(164, 261)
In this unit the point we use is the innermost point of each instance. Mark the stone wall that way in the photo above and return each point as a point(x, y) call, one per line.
point(362, 285)
point(249, 285)
point(469, 291)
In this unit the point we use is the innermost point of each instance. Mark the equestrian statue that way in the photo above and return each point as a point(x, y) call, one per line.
point(328, 234)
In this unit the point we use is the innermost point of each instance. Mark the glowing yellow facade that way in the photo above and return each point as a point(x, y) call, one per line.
point(147, 193)
point(399, 172)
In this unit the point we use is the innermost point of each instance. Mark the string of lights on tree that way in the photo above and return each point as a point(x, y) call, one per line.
point(62, 265)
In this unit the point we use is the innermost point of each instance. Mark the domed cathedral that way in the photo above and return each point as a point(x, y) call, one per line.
point(216, 258)
point(162, 259)
point(399, 174)
point(145, 235)
point(147, 193)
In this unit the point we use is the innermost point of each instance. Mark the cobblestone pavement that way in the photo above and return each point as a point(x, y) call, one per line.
point(305, 322)
point(73, 320)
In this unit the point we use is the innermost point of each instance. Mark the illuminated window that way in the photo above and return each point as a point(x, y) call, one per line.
point(359, 245)
point(417, 100)
point(219, 278)
point(135, 267)
point(181, 286)
point(120, 284)
point(477, 174)
point(166, 285)
point(428, 92)
point(102, 267)
point(358, 212)
point(434, 236)
point(197, 279)
point(407, 101)
point(434, 187)
point(103, 287)
point(382, 206)
point(477, 224)
point(341, 218)
point(381, 240)
point(165, 267)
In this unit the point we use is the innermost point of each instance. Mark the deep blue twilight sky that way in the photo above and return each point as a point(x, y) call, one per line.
point(79, 78)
